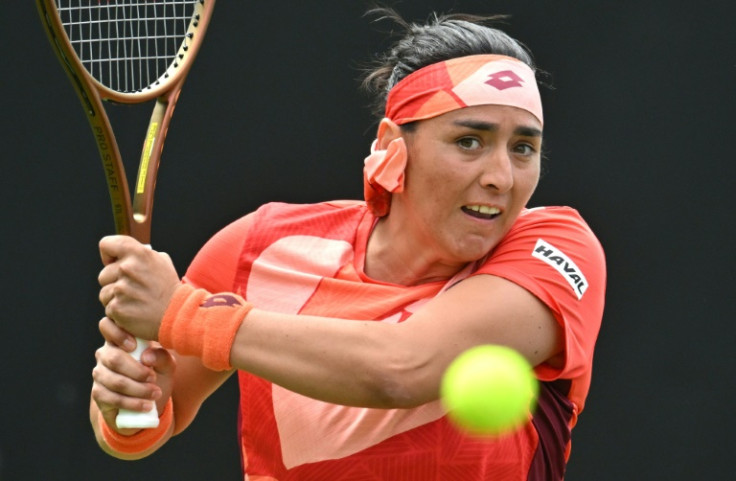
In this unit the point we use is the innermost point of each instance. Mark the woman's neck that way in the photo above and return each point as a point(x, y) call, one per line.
point(394, 256)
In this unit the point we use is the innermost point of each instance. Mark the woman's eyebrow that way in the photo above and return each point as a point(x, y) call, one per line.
point(476, 125)
point(491, 127)
point(528, 131)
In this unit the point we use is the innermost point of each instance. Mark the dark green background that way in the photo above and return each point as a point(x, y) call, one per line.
point(639, 133)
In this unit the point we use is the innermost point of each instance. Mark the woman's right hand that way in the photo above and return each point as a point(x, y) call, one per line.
point(121, 382)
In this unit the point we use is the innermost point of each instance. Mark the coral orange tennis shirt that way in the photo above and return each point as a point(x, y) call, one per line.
point(309, 259)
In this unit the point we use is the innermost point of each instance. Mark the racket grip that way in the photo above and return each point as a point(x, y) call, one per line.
point(138, 419)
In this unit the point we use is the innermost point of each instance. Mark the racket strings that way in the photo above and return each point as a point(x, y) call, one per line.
point(129, 45)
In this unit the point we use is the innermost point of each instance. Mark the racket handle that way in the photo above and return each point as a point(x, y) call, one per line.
point(138, 419)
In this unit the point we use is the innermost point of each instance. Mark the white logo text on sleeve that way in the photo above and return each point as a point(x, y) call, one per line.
point(563, 264)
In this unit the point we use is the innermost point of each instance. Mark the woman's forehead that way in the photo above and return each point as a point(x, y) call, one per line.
point(487, 116)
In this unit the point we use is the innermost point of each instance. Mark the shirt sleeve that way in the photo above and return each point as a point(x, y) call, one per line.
point(554, 254)
point(216, 264)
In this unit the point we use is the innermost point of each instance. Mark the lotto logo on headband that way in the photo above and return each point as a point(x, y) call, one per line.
point(504, 80)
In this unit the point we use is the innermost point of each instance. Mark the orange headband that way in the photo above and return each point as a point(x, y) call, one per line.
point(464, 82)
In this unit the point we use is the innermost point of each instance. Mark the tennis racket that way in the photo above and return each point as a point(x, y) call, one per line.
point(128, 52)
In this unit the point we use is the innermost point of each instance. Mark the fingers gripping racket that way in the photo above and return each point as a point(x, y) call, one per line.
point(128, 51)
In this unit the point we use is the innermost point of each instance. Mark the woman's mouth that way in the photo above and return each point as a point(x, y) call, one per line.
point(481, 211)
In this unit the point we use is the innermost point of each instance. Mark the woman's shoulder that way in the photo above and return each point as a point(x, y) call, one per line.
point(557, 218)
point(559, 226)
point(555, 212)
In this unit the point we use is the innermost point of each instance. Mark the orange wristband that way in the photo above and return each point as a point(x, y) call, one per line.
point(142, 440)
point(201, 324)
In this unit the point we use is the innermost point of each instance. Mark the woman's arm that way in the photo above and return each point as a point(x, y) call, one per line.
point(382, 365)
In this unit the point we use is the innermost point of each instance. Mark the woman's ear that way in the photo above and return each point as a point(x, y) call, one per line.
point(387, 131)
point(383, 169)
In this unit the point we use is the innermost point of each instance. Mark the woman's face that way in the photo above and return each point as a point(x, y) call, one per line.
point(469, 174)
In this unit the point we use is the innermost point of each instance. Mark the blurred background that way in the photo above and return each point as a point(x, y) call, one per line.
point(639, 132)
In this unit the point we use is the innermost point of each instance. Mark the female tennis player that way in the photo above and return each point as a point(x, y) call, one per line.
point(340, 318)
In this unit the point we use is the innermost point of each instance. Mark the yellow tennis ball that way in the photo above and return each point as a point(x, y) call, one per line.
point(489, 390)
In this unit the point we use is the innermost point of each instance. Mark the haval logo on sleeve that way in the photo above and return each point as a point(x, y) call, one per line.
point(504, 79)
point(221, 300)
point(563, 264)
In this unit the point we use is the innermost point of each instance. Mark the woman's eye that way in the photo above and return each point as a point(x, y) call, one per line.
point(524, 149)
point(468, 143)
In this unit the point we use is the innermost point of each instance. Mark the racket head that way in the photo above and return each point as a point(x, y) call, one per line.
point(130, 50)
point(95, 66)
